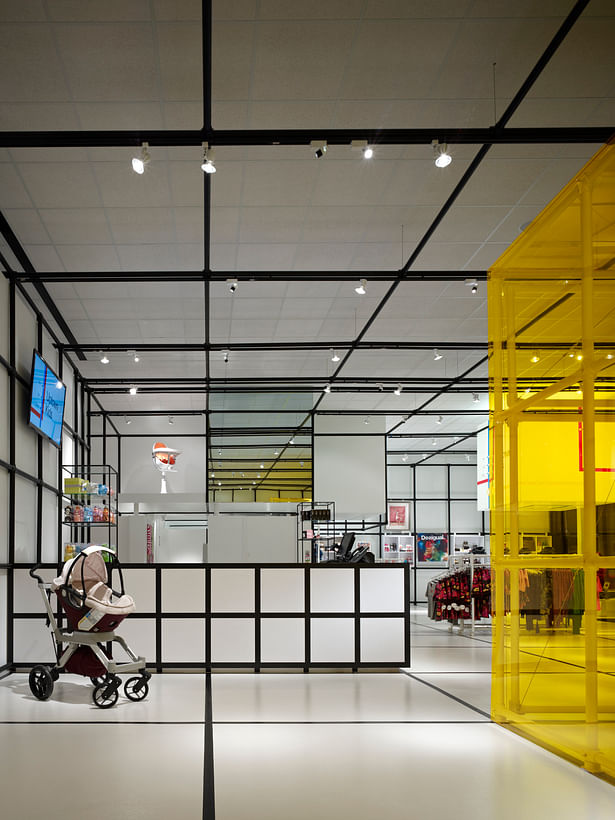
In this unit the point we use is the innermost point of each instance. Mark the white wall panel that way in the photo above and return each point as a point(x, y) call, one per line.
point(282, 640)
point(26, 594)
point(183, 640)
point(3, 616)
point(140, 635)
point(232, 640)
point(183, 590)
point(25, 521)
point(68, 451)
point(465, 517)
point(4, 317)
point(332, 640)
point(431, 482)
point(331, 590)
point(140, 476)
point(25, 333)
point(350, 470)
point(50, 352)
point(431, 516)
point(232, 590)
point(257, 539)
point(282, 590)
point(382, 590)
point(382, 640)
point(4, 414)
point(26, 439)
point(399, 482)
point(32, 642)
point(51, 457)
point(49, 534)
point(4, 516)
point(69, 380)
point(140, 584)
point(463, 481)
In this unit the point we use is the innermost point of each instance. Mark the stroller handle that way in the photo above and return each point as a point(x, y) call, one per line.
point(34, 575)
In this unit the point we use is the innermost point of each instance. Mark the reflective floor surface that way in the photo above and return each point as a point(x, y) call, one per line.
point(417, 743)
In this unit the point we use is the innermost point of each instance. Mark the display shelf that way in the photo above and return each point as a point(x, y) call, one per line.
point(315, 527)
point(465, 543)
point(398, 548)
point(92, 496)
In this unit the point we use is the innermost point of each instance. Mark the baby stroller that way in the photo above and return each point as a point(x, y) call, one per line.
point(85, 592)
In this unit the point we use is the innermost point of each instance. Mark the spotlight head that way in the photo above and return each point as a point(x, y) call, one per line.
point(171, 420)
point(366, 420)
point(368, 152)
point(136, 359)
point(404, 458)
point(361, 288)
point(475, 398)
point(225, 356)
point(207, 166)
point(128, 421)
point(439, 420)
point(104, 359)
point(535, 357)
point(327, 388)
point(320, 148)
point(139, 163)
point(436, 355)
point(292, 441)
point(398, 390)
point(232, 284)
point(133, 391)
point(335, 357)
point(441, 156)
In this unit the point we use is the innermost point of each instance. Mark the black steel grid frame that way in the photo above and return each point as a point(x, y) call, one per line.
point(208, 617)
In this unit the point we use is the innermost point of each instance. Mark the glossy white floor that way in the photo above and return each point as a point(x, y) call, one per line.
point(417, 744)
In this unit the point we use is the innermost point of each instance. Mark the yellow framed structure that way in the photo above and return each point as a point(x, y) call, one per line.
point(552, 473)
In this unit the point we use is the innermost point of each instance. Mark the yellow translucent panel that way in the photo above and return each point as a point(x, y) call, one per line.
point(552, 473)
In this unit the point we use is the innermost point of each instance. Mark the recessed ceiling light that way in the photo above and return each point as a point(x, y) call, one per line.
point(361, 288)
point(139, 163)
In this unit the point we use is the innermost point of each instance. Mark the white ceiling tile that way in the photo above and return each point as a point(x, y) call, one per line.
point(60, 184)
point(69, 225)
point(90, 10)
point(141, 225)
point(38, 116)
point(265, 257)
point(303, 329)
point(44, 258)
point(179, 50)
point(133, 115)
point(323, 256)
point(26, 224)
point(13, 193)
point(82, 258)
point(270, 225)
point(147, 257)
point(29, 65)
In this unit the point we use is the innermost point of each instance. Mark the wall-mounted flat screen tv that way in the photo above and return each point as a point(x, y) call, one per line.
point(47, 395)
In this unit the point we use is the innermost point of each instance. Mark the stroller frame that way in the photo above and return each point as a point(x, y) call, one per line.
point(106, 688)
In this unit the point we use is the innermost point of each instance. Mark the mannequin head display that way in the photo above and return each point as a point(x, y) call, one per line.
point(165, 459)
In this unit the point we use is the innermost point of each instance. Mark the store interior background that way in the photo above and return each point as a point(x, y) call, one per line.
point(97, 259)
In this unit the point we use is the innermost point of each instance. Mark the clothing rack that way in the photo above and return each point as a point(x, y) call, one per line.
point(462, 592)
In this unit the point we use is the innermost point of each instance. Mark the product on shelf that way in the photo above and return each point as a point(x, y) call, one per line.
point(74, 485)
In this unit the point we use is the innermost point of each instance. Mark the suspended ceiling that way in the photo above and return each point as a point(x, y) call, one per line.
point(141, 262)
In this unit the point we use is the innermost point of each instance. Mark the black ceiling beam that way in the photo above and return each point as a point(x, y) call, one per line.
point(169, 138)
point(258, 346)
point(250, 276)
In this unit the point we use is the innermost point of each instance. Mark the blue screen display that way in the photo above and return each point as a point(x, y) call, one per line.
point(47, 401)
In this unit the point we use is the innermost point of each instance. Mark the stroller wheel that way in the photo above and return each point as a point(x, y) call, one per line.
point(136, 688)
point(105, 695)
point(41, 682)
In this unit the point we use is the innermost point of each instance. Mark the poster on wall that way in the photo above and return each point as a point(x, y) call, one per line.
point(432, 548)
point(398, 517)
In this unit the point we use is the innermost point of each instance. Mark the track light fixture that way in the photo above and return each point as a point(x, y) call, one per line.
point(232, 284)
point(171, 420)
point(436, 355)
point(361, 288)
point(207, 166)
point(139, 163)
point(472, 284)
point(225, 356)
point(327, 388)
point(276, 453)
point(475, 398)
point(104, 359)
point(335, 357)
point(439, 420)
point(320, 148)
point(292, 441)
point(366, 420)
point(133, 391)
point(433, 442)
point(398, 390)
point(441, 156)
point(364, 147)
point(404, 458)
point(535, 357)
point(136, 359)
point(128, 421)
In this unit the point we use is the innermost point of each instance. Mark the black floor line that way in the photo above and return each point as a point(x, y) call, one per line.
point(209, 803)
point(448, 695)
point(338, 722)
point(459, 634)
point(101, 722)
